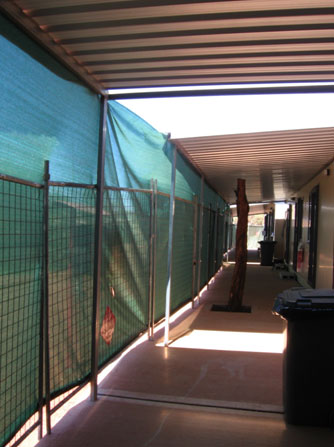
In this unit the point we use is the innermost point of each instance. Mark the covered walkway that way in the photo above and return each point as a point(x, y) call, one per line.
point(219, 382)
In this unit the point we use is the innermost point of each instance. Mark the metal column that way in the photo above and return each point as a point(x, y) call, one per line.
point(46, 298)
point(170, 248)
point(97, 249)
point(155, 188)
point(152, 255)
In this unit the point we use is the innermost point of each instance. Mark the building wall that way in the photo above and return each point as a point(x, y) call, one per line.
point(279, 238)
point(325, 251)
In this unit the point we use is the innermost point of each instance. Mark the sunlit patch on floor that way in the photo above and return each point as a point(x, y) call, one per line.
point(230, 341)
point(248, 262)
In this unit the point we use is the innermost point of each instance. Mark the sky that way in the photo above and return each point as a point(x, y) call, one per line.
point(220, 115)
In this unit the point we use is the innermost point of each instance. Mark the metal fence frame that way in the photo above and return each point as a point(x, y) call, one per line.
point(45, 401)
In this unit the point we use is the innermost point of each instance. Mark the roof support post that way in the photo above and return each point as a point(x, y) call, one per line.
point(98, 248)
point(44, 347)
point(170, 248)
point(152, 257)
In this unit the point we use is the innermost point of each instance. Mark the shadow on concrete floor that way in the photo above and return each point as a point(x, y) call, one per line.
point(200, 395)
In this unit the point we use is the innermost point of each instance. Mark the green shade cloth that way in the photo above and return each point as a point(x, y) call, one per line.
point(47, 114)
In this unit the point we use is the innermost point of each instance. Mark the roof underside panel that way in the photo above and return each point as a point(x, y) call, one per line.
point(152, 43)
point(275, 165)
point(112, 44)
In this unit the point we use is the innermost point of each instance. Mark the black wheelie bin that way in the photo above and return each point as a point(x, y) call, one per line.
point(267, 252)
point(308, 358)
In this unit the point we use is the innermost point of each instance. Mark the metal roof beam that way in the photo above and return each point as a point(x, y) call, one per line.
point(284, 89)
point(199, 17)
point(205, 45)
point(198, 32)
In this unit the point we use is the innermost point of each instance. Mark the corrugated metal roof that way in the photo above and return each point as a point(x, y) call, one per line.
point(275, 165)
point(131, 43)
point(114, 44)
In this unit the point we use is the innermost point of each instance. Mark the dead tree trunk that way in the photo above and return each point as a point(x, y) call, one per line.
point(239, 273)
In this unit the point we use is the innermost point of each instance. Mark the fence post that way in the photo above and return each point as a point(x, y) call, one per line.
point(170, 248)
point(153, 250)
point(45, 355)
point(200, 242)
point(193, 290)
point(155, 230)
point(150, 322)
point(97, 249)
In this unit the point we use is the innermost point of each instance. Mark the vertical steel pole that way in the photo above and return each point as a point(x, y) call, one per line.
point(170, 248)
point(193, 290)
point(150, 286)
point(155, 232)
point(200, 242)
point(98, 248)
point(46, 294)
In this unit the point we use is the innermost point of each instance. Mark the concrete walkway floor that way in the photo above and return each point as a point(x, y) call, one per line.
point(219, 383)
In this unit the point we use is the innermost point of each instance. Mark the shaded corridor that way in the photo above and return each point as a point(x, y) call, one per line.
point(186, 396)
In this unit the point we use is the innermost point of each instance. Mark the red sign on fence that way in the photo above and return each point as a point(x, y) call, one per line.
point(108, 325)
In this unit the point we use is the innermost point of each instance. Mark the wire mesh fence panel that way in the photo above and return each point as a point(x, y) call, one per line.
point(212, 243)
point(182, 269)
point(21, 223)
point(161, 255)
point(198, 247)
point(71, 257)
point(223, 237)
point(220, 240)
point(125, 269)
point(224, 232)
point(205, 246)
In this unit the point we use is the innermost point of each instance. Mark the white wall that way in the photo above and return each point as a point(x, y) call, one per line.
point(325, 252)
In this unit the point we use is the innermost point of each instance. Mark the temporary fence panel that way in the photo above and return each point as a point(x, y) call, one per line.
point(71, 258)
point(21, 217)
point(212, 199)
point(221, 249)
point(46, 113)
point(125, 269)
point(188, 181)
point(211, 242)
point(161, 255)
point(182, 270)
point(199, 243)
point(205, 247)
point(215, 241)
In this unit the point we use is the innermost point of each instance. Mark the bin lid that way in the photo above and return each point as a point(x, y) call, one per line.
point(301, 302)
